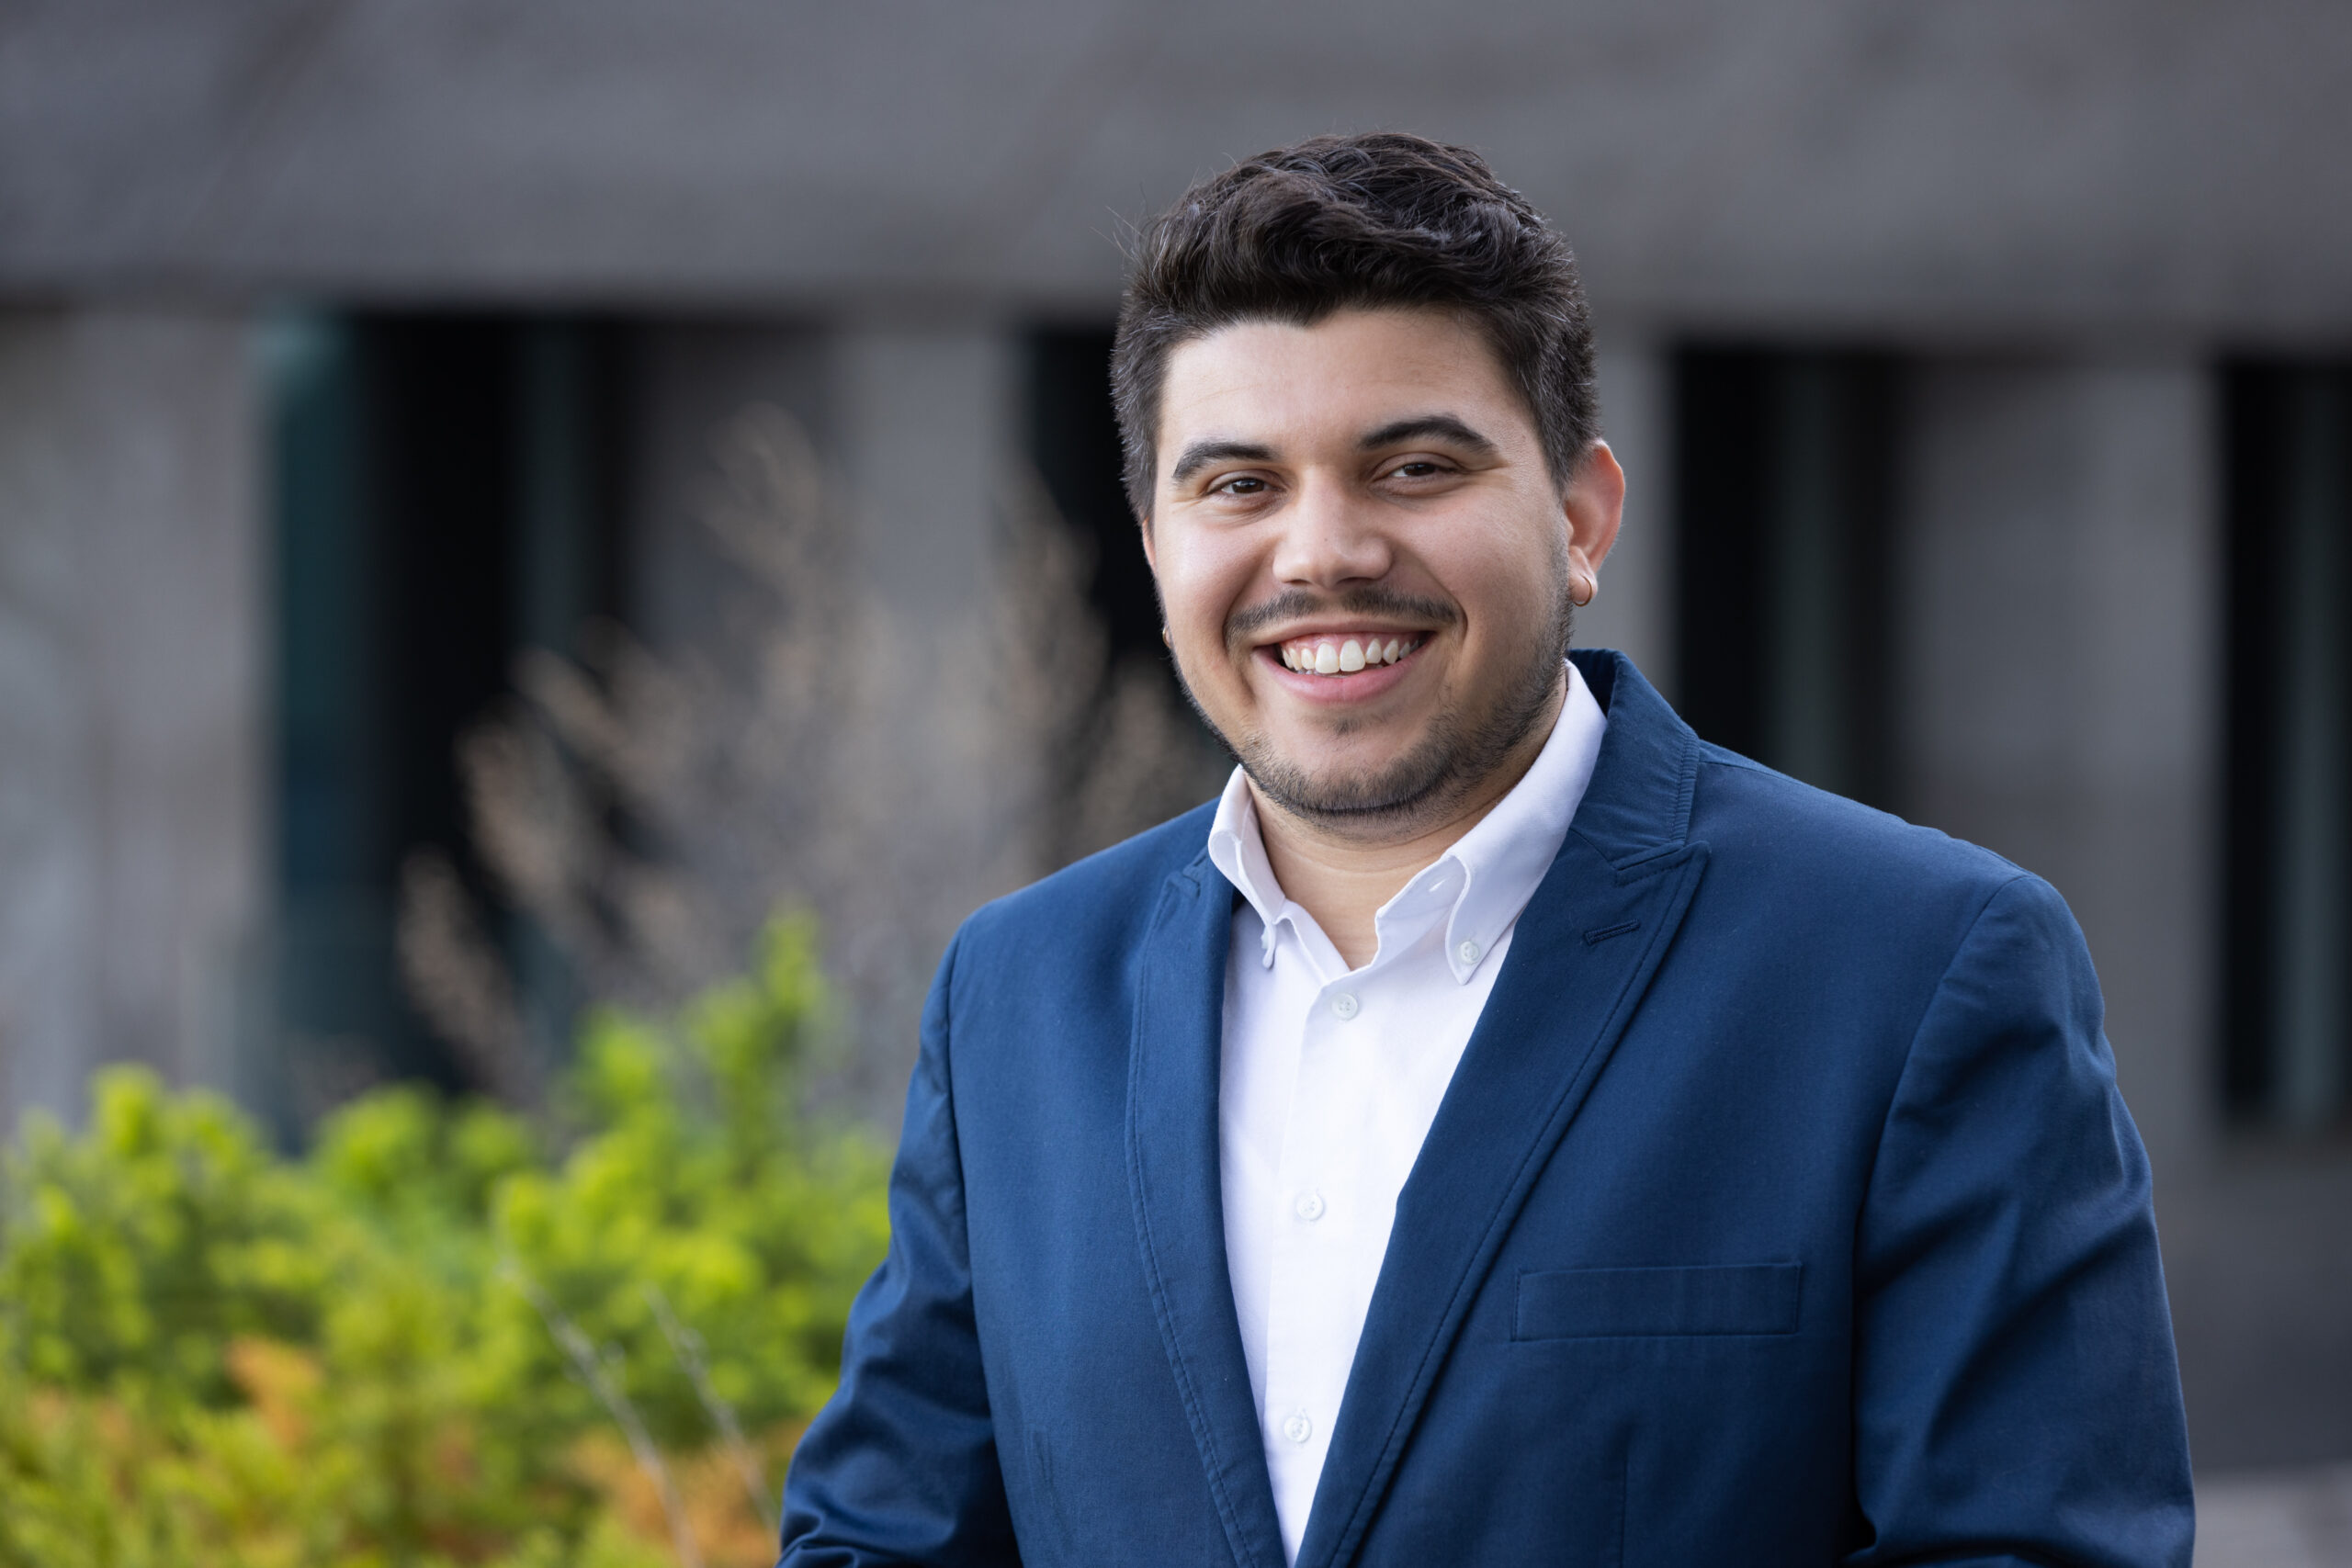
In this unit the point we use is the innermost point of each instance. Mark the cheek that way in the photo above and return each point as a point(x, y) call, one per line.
point(1201, 579)
point(1505, 594)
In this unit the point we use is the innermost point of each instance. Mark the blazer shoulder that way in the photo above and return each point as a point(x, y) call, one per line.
point(1744, 809)
point(1109, 895)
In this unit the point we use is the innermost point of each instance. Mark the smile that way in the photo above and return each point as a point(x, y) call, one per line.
point(1344, 653)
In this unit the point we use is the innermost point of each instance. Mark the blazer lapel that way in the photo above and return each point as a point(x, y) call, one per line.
point(1582, 954)
point(1179, 1206)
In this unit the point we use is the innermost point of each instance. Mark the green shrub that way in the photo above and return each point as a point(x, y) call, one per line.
point(446, 1336)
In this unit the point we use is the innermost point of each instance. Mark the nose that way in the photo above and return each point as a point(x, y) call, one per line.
point(1330, 539)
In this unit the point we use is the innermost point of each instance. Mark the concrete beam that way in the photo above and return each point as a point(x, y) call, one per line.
point(1824, 166)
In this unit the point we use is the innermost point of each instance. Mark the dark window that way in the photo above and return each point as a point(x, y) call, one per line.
point(2288, 1029)
point(441, 501)
point(1073, 438)
point(1784, 477)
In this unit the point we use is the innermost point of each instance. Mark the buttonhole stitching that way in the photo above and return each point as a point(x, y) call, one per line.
point(1602, 933)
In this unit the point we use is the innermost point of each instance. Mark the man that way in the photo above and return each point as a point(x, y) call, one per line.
point(1502, 1128)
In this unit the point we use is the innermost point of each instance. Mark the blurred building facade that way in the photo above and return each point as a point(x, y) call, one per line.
point(1984, 375)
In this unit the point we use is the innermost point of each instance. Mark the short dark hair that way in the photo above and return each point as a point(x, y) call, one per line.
point(1383, 220)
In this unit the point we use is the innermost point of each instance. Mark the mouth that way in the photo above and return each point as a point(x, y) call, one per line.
point(1334, 654)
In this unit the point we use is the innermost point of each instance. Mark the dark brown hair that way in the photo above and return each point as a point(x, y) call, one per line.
point(1337, 222)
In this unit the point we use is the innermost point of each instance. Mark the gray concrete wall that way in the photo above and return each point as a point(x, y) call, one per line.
point(926, 416)
point(689, 379)
point(2059, 636)
point(915, 420)
point(132, 623)
point(876, 788)
point(1633, 609)
point(2061, 644)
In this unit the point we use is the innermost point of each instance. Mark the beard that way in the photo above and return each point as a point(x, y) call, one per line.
point(1461, 749)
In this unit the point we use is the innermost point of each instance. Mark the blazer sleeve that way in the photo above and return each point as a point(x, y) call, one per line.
point(900, 1466)
point(2016, 1399)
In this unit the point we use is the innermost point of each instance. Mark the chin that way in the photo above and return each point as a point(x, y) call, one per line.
point(1403, 781)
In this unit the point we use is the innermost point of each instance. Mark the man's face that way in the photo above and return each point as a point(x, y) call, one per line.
point(1364, 564)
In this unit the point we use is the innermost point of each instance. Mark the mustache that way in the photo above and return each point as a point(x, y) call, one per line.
point(1295, 603)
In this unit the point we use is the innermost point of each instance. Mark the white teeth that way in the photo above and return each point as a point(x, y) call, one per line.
point(1345, 656)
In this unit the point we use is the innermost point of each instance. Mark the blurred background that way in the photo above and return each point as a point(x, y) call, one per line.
point(495, 500)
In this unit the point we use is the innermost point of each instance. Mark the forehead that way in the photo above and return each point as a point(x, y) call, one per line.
point(1350, 371)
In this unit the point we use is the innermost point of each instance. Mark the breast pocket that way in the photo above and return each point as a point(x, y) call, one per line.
point(1624, 1303)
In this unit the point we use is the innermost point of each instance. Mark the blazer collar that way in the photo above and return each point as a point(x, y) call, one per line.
point(1638, 803)
point(1179, 1204)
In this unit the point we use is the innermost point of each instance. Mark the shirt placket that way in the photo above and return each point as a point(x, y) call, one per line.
point(1327, 1253)
point(1300, 1405)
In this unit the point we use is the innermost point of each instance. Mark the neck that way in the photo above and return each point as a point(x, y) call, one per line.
point(1343, 877)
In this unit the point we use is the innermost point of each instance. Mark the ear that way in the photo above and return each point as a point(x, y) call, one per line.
point(1594, 505)
point(1150, 554)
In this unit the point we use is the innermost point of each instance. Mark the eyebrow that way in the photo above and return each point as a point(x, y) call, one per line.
point(1429, 426)
point(1201, 454)
point(1420, 426)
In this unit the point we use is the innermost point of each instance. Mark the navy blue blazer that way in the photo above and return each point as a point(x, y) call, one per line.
point(1781, 1211)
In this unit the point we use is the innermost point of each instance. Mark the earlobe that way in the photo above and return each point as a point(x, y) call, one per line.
point(1593, 507)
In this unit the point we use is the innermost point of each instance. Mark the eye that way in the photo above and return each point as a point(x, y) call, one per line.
point(1416, 469)
point(1240, 484)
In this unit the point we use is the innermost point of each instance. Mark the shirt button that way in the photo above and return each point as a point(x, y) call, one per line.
point(1309, 1206)
point(1297, 1428)
point(1345, 1005)
point(1468, 951)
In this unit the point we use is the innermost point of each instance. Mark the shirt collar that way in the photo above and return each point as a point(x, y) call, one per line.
point(1239, 850)
point(1488, 875)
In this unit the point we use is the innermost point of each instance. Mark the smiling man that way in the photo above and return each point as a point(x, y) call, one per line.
point(1502, 1128)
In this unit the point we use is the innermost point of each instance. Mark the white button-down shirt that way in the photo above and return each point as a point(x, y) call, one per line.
point(1332, 1076)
